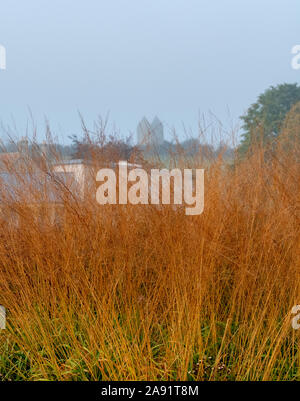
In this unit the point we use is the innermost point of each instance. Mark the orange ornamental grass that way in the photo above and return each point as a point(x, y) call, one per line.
point(139, 292)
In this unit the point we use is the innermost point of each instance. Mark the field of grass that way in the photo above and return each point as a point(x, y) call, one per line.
point(146, 293)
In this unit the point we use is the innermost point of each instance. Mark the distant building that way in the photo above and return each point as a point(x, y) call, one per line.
point(150, 134)
point(31, 176)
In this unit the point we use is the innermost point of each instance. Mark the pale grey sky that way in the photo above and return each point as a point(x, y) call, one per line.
point(173, 58)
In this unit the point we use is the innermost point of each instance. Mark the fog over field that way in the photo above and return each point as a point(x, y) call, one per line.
point(133, 58)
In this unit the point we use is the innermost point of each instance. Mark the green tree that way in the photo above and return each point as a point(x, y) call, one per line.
point(290, 134)
point(265, 118)
point(292, 121)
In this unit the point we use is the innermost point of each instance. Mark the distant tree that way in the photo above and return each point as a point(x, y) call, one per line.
point(116, 150)
point(290, 133)
point(81, 148)
point(190, 146)
point(291, 123)
point(225, 151)
point(264, 119)
point(111, 150)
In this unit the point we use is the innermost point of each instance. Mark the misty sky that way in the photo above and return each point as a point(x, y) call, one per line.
point(173, 58)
